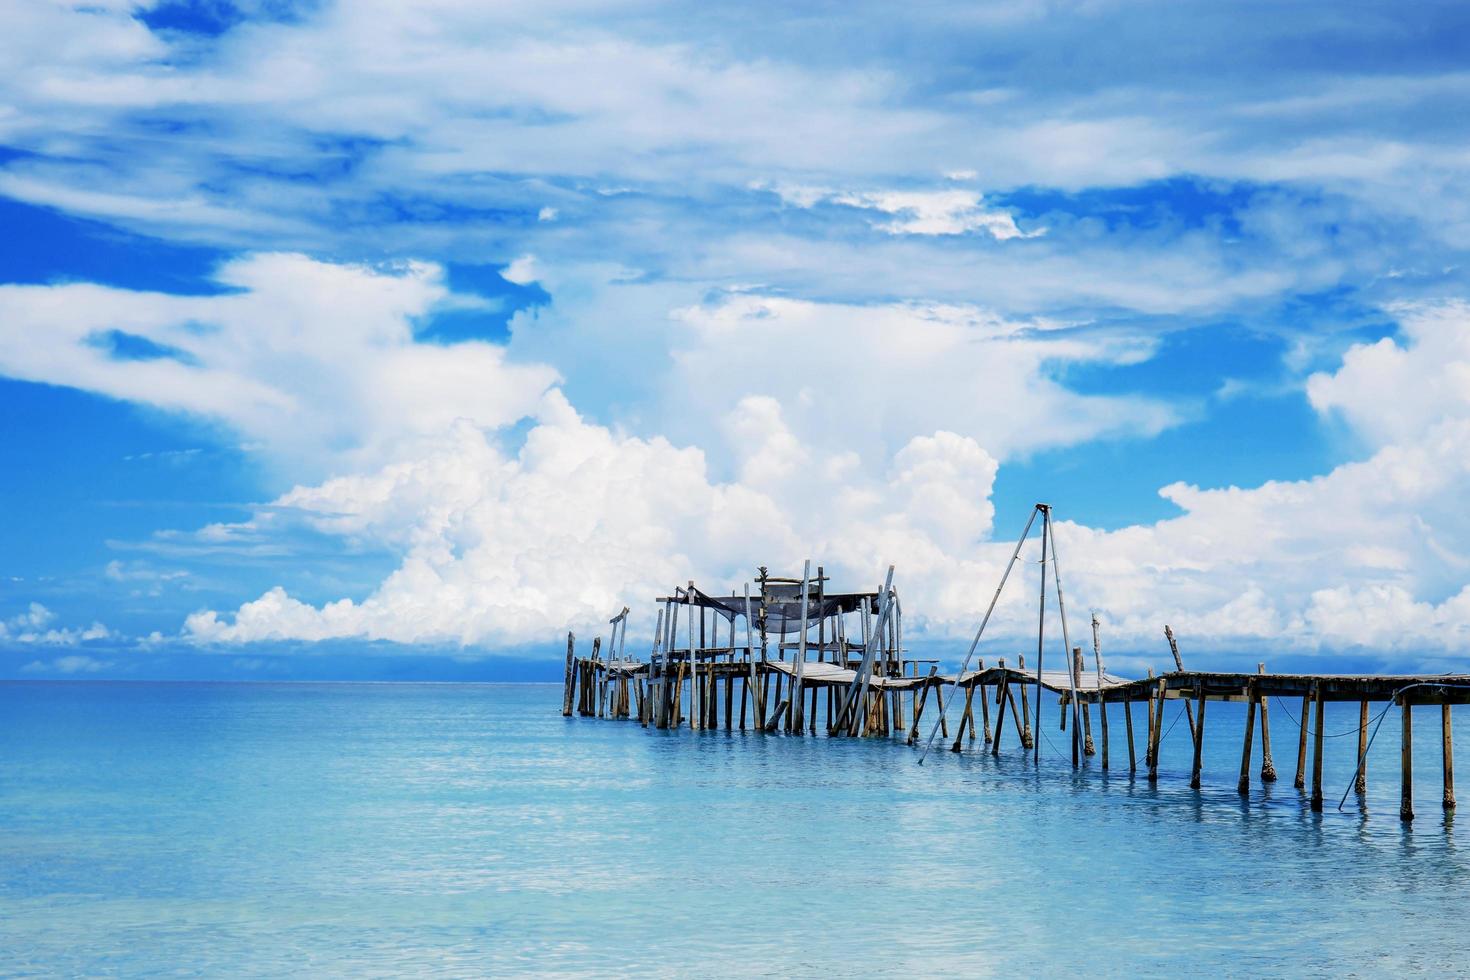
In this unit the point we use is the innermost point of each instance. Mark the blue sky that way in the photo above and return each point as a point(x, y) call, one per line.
point(384, 341)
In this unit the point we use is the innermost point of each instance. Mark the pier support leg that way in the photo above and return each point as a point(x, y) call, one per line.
point(1268, 768)
point(1449, 758)
point(966, 718)
point(1406, 764)
point(1243, 785)
point(1199, 738)
point(1317, 756)
point(922, 700)
point(1360, 782)
point(1153, 754)
point(1301, 745)
point(1102, 716)
point(1128, 723)
point(1000, 715)
point(985, 712)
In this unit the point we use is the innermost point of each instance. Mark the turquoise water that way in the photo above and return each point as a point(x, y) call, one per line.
point(371, 829)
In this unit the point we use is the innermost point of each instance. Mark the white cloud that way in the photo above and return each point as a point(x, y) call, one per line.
point(34, 626)
point(71, 664)
point(584, 519)
point(916, 212)
point(314, 362)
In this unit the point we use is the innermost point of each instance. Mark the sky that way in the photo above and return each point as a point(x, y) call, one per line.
point(384, 340)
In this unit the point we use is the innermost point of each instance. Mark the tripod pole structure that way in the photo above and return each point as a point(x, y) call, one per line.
point(981, 632)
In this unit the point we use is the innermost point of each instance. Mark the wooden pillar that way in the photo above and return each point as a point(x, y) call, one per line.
point(1153, 756)
point(1268, 768)
point(569, 680)
point(919, 705)
point(1000, 713)
point(1360, 781)
point(1026, 734)
point(1406, 762)
point(1317, 755)
point(965, 718)
point(1128, 723)
point(985, 707)
point(1301, 745)
point(1199, 737)
point(1449, 758)
point(1148, 742)
point(1088, 748)
point(1243, 785)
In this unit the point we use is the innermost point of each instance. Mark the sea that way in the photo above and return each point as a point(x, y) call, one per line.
point(467, 830)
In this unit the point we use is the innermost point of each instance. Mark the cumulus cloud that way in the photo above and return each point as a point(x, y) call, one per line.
point(36, 626)
point(312, 361)
point(584, 519)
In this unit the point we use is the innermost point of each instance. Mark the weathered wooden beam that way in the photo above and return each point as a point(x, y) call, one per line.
point(1128, 723)
point(1268, 768)
point(1449, 757)
point(1406, 762)
point(1199, 740)
point(1301, 745)
point(569, 680)
point(1316, 802)
point(1360, 781)
point(1243, 785)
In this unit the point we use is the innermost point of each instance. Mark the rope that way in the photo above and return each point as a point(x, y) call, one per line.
point(1177, 715)
point(1310, 731)
point(1363, 756)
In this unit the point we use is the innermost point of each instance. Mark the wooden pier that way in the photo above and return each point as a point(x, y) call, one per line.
point(795, 656)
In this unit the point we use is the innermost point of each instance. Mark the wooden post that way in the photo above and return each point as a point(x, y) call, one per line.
point(985, 706)
point(1360, 782)
point(1102, 704)
point(798, 688)
point(1199, 736)
point(1317, 755)
point(569, 680)
point(919, 707)
point(1128, 723)
point(1158, 736)
point(1000, 711)
point(1087, 747)
point(1148, 742)
point(597, 685)
point(1243, 785)
point(1406, 762)
point(1268, 768)
point(1025, 706)
point(1301, 745)
point(1449, 758)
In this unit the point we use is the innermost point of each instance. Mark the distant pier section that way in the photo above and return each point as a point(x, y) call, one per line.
point(789, 655)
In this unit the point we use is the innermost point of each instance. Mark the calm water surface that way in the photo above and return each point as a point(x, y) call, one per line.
point(375, 829)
